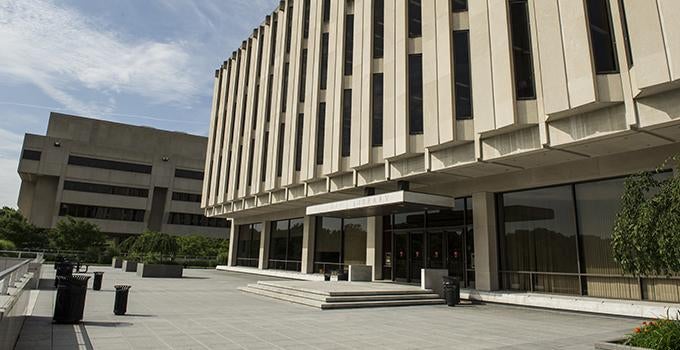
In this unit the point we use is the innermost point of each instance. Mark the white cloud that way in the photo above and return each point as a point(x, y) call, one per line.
point(61, 51)
point(10, 147)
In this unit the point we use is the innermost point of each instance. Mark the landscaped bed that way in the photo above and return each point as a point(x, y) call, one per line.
point(663, 334)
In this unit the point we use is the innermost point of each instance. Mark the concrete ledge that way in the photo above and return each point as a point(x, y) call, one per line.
point(360, 273)
point(159, 270)
point(129, 266)
point(616, 345)
point(272, 273)
point(432, 279)
point(631, 308)
point(13, 311)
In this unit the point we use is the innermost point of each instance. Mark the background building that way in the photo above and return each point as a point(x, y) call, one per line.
point(124, 178)
point(486, 137)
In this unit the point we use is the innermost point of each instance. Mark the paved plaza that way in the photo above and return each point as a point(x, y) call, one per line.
point(205, 310)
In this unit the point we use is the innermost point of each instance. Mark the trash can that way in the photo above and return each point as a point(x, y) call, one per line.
point(70, 303)
point(64, 269)
point(451, 288)
point(120, 303)
point(97, 282)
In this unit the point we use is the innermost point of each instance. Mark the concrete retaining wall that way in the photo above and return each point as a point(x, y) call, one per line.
point(158, 270)
point(360, 273)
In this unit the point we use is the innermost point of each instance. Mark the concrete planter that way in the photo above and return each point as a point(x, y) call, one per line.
point(616, 345)
point(117, 263)
point(159, 270)
point(129, 266)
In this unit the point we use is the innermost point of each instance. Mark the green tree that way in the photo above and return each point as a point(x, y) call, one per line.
point(199, 246)
point(155, 247)
point(75, 234)
point(14, 227)
point(646, 236)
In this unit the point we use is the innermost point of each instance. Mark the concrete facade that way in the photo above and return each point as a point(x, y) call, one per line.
point(91, 164)
point(583, 122)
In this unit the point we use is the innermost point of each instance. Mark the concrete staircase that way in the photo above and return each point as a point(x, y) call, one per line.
point(327, 298)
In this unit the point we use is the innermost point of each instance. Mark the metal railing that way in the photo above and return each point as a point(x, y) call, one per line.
point(10, 276)
point(287, 265)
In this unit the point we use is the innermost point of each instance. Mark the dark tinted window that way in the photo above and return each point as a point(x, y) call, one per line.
point(326, 11)
point(378, 28)
point(320, 133)
point(248, 245)
point(461, 66)
point(349, 43)
point(377, 119)
point(189, 174)
point(105, 189)
point(285, 245)
point(268, 112)
point(538, 233)
point(323, 66)
point(251, 156)
point(459, 5)
point(415, 93)
point(195, 220)
point(31, 155)
point(265, 148)
point(521, 50)
point(284, 87)
point(298, 141)
point(303, 76)
point(102, 213)
point(346, 122)
point(305, 10)
point(272, 49)
point(415, 27)
point(602, 37)
point(238, 166)
point(289, 25)
point(109, 164)
point(260, 47)
point(186, 197)
point(279, 159)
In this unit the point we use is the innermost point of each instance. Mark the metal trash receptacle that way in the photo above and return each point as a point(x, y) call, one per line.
point(97, 282)
point(451, 289)
point(120, 303)
point(70, 302)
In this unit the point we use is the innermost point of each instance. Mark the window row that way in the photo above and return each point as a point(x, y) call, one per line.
point(189, 174)
point(196, 220)
point(558, 240)
point(105, 189)
point(186, 197)
point(338, 244)
point(109, 164)
point(102, 213)
point(31, 154)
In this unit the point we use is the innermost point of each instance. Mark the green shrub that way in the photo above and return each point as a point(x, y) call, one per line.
point(656, 335)
point(7, 245)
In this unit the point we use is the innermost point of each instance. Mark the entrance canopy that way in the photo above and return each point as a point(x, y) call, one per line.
point(382, 204)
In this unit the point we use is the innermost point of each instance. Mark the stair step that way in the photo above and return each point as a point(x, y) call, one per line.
point(348, 298)
point(284, 297)
point(385, 303)
point(346, 293)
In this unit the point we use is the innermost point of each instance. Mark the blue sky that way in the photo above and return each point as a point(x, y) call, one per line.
point(143, 62)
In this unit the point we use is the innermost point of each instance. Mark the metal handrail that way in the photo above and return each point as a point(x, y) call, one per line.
point(8, 277)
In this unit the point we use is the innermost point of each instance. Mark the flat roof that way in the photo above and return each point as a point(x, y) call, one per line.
point(382, 204)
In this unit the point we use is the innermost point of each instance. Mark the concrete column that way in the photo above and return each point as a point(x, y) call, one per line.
point(485, 240)
point(233, 239)
point(264, 245)
point(308, 234)
point(374, 248)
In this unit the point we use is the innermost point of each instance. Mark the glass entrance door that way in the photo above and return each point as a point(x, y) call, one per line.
point(456, 258)
point(409, 259)
point(401, 254)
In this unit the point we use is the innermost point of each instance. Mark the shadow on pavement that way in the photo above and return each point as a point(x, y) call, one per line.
point(39, 333)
